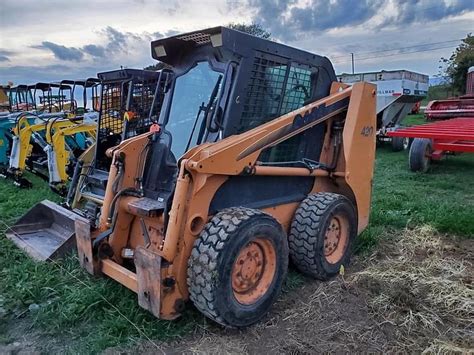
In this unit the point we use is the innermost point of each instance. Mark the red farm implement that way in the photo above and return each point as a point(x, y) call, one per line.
point(451, 130)
point(434, 140)
point(457, 107)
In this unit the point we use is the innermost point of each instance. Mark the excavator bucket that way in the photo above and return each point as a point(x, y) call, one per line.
point(45, 232)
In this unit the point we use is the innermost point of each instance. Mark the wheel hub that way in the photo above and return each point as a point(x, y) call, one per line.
point(332, 237)
point(406, 143)
point(248, 268)
point(253, 271)
point(336, 239)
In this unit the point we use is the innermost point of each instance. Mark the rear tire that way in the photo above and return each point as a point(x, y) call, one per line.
point(322, 234)
point(419, 158)
point(237, 266)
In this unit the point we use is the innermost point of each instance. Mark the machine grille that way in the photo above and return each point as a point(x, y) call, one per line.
point(134, 96)
point(199, 38)
point(276, 87)
point(112, 108)
point(140, 104)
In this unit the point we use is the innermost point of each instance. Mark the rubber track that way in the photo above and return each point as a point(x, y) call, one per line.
point(304, 231)
point(202, 273)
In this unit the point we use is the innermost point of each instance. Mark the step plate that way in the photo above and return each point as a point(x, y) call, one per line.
point(146, 207)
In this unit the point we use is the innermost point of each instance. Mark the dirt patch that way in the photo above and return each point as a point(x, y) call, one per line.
point(20, 339)
point(414, 294)
point(318, 317)
point(424, 289)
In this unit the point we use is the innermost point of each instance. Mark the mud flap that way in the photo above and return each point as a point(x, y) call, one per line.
point(45, 232)
point(148, 266)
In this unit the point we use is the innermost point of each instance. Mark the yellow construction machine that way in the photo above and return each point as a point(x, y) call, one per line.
point(260, 157)
point(130, 101)
point(49, 144)
point(5, 103)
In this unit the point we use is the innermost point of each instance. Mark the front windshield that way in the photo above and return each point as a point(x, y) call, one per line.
point(194, 93)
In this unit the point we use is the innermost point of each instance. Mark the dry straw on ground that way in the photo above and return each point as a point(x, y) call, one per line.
point(423, 286)
point(414, 294)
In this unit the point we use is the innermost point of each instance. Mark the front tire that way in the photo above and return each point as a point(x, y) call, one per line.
point(322, 234)
point(237, 266)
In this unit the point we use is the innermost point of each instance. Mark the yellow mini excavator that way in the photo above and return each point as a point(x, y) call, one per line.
point(260, 157)
point(49, 143)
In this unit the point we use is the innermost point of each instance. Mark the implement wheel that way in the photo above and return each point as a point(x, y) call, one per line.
point(400, 143)
point(237, 266)
point(322, 233)
point(419, 158)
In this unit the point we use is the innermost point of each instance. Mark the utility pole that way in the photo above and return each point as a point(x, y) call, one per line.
point(352, 59)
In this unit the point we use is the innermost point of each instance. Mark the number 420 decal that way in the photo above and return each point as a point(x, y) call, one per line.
point(367, 131)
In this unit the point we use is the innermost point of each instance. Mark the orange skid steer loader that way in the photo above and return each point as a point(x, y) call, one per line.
point(261, 156)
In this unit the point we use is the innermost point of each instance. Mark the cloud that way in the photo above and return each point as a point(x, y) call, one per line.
point(286, 19)
point(94, 50)
point(18, 74)
point(50, 73)
point(6, 52)
point(171, 33)
point(290, 19)
point(269, 13)
point(323, 15)
point(409, 11)
point(61, 52)
point(5, 55)
point(158, 35)
point(117, 42)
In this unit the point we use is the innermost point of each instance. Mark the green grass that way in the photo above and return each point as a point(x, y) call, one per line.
point(72, 306)
point(443, 198)
point(412, 120)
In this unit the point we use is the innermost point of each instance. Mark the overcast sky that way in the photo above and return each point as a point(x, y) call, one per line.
point(57, 39)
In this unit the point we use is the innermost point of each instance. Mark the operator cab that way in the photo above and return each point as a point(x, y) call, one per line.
point(21, 98)
point(130, 101)
point(80, 101)
point(227, 82)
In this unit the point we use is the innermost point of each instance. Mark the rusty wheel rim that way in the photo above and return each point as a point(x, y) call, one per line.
point(253, 271)
point(428, 152)
point(406, 143)
point(336, 239)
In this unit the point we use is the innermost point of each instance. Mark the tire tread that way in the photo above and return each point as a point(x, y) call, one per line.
point(202, 265)
point(306, 226)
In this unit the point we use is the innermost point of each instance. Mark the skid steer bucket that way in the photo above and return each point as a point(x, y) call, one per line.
point(45, 232)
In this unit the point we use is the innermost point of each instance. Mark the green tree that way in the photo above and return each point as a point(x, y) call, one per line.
point(456, 66)
point(253, 29)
